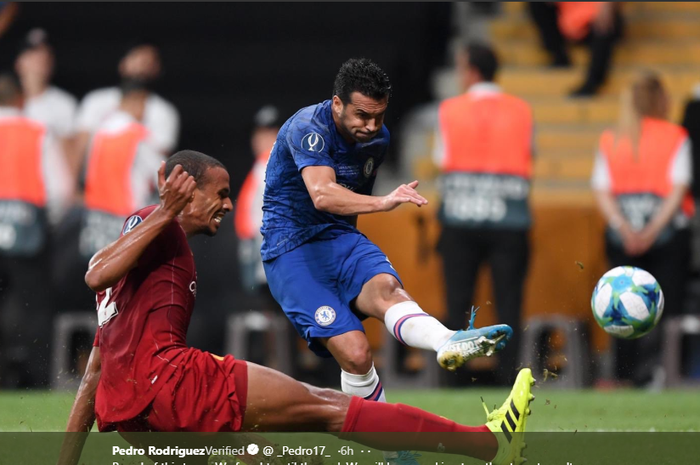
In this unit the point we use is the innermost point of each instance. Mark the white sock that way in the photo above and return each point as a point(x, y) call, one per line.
point(411, 326)
point(368, 387)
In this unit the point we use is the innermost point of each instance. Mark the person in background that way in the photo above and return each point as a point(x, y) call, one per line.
point(691, 122)
point(29, 157)
point(139, 68)
point(48, 104)
point(641, 179)
point(248, 215)
point(118, 170)
point(598, 24)
point(484, 152)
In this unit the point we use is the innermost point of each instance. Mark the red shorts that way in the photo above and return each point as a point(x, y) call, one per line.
point(207, 393)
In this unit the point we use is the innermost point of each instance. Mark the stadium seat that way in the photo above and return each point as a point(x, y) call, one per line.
point(67, 325)
point(393, 375)
point(675, 328)
point(240, 327)
point(575, 369)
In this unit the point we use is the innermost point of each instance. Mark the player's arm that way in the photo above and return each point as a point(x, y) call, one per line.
point(662, 217)
point(82, 415)
point(680, 175)
point(329, 196)
point(113, 262)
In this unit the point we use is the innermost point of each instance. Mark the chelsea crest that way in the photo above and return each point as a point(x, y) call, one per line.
point(325, 315)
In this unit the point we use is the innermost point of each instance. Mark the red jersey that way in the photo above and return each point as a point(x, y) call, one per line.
point(143, 322)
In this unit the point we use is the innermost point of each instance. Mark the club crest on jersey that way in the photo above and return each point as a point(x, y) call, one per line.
point(313, 142)
point(131, 223)
point(325, 315)
point(369, 167)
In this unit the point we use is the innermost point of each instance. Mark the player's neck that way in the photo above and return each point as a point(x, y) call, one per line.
point(187, 228)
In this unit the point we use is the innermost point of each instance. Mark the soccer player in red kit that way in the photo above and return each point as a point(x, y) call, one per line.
point(141, 376)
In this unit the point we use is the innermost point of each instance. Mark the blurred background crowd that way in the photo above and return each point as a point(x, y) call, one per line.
point(582, 121)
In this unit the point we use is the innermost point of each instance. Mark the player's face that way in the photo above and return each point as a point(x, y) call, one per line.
point(142, 62)
point(36, 63)
point(210, 204)
point(361, 119)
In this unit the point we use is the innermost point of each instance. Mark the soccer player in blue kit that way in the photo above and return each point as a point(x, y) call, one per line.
point(325, 274)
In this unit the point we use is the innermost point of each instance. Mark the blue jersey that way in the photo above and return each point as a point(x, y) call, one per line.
point(310, 138)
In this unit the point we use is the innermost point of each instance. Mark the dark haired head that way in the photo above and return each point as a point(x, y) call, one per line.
point(195, 163)
point(140, 66)
point(483, 59)
point(10, 90)
point(35, 38)
point(140, 42)
point(364, 76)
point(210, 201)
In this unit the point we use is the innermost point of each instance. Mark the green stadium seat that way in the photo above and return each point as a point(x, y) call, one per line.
point(394, 376)
point(66, 325)
point(278, 354)
point(575, 371)
point(675, 329)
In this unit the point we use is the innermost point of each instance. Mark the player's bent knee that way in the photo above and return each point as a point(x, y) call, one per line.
point(357, 360)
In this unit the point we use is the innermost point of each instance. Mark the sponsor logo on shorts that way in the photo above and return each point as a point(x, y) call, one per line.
point(369, 167)
point(313, 142)
point(131, 223)
point(325, 315)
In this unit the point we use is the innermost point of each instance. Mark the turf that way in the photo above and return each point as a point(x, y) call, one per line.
point(553, 410)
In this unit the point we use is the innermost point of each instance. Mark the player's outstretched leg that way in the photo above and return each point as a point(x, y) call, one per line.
point(384, 298)
point(510, 420)
point(277, 402)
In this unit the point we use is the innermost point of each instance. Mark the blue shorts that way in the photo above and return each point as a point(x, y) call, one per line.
point(316, 282)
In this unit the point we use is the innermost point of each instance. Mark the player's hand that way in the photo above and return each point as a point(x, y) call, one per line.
point(646, 239)
point(405, 193)
point(630, 240)
point(176, 191)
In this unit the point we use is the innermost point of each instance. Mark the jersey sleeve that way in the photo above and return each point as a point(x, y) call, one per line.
point(91, 112)
point(156, 246)
point(681, 170)
point(600, 179)
point(96, 342)
point(164, 125)
point(310, 145)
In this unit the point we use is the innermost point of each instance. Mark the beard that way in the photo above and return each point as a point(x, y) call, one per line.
point(136, 84)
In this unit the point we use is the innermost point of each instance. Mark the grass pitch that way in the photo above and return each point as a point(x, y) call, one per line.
point(553, 410)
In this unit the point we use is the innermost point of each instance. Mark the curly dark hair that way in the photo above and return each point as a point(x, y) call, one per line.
point(195, 163)
point(364, 76)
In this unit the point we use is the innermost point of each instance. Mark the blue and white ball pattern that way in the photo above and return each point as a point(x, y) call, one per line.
point(627, 302)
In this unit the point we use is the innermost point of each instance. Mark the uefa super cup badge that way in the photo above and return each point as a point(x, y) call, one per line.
point(313, 142)
point(369, 167)
point(325, 315)
point(131, 223)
